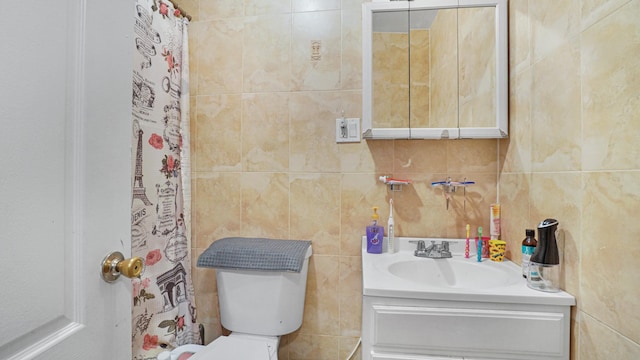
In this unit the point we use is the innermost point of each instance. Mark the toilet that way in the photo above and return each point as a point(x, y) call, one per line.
point(261, 297)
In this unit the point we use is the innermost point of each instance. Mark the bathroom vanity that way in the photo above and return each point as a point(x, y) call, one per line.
point(419, 308)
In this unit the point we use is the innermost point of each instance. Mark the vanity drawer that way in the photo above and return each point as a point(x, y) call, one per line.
point(463, 331)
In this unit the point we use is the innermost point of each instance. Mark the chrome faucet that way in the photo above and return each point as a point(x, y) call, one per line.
point(433, 251)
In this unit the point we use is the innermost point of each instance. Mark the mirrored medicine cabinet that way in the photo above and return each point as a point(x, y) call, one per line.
point(435, 69)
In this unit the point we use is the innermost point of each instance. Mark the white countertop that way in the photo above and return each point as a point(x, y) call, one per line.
point(378, 281)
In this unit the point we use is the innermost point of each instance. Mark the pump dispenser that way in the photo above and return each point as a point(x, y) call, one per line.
point(375, 233)
point(544, 265)
point(547, 251)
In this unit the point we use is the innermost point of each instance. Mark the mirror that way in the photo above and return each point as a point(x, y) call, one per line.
point(435, 69)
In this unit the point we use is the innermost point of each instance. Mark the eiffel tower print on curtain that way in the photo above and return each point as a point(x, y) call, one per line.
point(139, 191)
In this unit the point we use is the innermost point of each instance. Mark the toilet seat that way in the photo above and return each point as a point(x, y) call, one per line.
point(180, 353)
point(240, 346)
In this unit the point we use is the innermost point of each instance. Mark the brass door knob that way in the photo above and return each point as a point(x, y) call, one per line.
point(115, 265)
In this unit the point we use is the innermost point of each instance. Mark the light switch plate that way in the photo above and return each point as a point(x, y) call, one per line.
point(348, 130)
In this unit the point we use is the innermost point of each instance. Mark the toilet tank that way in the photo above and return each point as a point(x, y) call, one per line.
point(262, 302)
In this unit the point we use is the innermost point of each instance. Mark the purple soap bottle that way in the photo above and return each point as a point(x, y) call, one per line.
point(375, 233)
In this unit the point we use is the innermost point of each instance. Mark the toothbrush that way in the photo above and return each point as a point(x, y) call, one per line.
point(391, 238)
point(453, 183)
point(466, 245)
point(479, 243)
point(391, 181)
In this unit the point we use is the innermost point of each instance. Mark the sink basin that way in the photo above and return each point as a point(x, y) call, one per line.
point(403, 275)
point(453, 273)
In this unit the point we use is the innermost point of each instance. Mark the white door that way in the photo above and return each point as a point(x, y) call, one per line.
point(65, 141)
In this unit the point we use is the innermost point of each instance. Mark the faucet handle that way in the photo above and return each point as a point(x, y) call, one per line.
point(445, 249)
point(420, 249)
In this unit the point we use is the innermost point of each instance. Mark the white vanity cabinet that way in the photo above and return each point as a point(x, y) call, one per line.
point(418, 329)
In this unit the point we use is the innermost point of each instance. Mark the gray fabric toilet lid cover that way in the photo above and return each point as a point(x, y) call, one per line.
point(262, 254)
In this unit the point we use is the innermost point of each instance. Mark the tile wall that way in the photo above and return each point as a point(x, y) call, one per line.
point(573, 154)
point(268, 79)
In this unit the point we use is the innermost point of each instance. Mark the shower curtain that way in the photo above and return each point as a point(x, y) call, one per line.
point(164, 313)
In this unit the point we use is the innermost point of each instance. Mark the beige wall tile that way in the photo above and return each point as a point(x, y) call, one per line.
point(472, 156)
point(419, 209)
point(515, 151)
point(322, 309)
point(315, 5)
point(206, 296)
point(610, 250)
point(519, 36)
point(553, 24)
point(261, 7)
point(610, 78)
point(204, 277)
point(316, 50)
point(600, 342)
point(315, 211)
point(350, 295)
point(515, 207)
point(312, 131)
point(216, 207)
point(558, 196)
point(367, 156)
point(266, 56)
point(218, 132)
point(594, 10)
point(590, 204)
point(265, 205)
point(476, 67)
point(220, 9)
point(305, 347)
point(555, 118)
point(472, 207)
point(420, 156)
point(359, 193)
point(351, 65)
point(220, 51)
point(347, 345)
point(265, 143)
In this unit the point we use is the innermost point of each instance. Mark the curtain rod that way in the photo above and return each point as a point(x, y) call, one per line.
point(182, 12)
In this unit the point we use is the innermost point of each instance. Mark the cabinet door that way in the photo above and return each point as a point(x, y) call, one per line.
point(460, 331)
point(390, 83)
point(434, 69)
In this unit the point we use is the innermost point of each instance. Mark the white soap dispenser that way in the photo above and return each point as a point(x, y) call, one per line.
point(391, 238)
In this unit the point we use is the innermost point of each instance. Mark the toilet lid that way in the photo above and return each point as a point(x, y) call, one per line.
point(231, 348)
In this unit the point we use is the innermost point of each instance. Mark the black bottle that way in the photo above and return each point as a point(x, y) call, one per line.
point(528, 247)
